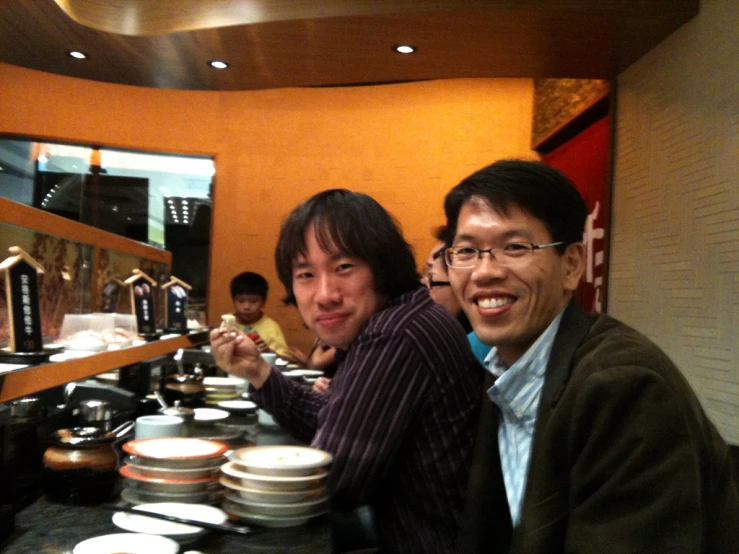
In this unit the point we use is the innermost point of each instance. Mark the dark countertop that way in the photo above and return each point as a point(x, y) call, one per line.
point(47, 527)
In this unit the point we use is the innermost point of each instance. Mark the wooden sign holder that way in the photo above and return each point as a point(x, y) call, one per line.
point(142, 303)
point(24, 315)
point(175, 305)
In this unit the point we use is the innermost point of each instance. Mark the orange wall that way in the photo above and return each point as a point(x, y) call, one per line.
point(404, 144)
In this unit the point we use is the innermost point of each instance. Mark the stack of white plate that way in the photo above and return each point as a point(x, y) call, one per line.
point(276, 486)
point(218, 389)
point(172, 469)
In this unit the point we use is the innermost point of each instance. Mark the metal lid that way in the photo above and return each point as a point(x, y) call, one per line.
point(26, 407)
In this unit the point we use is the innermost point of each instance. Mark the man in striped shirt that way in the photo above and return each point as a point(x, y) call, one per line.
point(400, 415)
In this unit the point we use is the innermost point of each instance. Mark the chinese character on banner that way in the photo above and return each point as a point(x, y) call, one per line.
point(584, 159)
point(594, 256)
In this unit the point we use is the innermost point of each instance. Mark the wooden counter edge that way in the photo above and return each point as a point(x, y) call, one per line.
point(30, 380)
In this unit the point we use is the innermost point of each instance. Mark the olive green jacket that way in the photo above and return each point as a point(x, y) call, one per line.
point(623, 460)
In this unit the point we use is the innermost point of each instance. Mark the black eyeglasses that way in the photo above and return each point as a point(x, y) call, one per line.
point(432, 284)
point(512, 253)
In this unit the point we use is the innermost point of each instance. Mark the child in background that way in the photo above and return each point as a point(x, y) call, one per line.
point(249, 293)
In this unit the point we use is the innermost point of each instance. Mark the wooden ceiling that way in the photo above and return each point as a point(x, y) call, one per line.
point(293, 43)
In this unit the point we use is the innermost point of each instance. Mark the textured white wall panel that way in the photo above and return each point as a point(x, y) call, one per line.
point(675, 235)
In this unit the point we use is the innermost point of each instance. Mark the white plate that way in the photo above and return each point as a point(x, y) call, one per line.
point(239, 405)
point(210, 415)
point(293, 509)
point(265, 521)
point(130, 543)
point(271, 497)
point(190, 452)
point(224, 382)
point(178, 531)
point(303, 373)
point(272, 482)
point(284, 461)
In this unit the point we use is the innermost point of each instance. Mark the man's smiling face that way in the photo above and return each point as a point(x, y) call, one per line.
point(510, 306)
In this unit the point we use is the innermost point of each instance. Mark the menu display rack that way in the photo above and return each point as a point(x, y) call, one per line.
point(31, 380)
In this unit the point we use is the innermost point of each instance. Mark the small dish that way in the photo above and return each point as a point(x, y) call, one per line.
point(303, 373)
point(187, 451)
point(178, 531)
point(136, 496)
point(272, 482)
point(234, 509)
point(208, 416)
point(168, 475)
point(292, 509)
point(172, 487)
point(224, 382)
point(283, 461)
point(271, 497)
point(238, 407)
point(130, 543)
point(164, 463)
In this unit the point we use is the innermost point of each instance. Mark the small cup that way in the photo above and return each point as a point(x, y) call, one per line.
point(151, 426)
point(269, 357)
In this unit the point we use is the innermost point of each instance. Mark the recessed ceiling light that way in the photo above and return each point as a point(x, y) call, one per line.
point(218, 64)
point(405, 49)
point(77, 54)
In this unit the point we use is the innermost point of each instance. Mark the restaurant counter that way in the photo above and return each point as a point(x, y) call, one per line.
point(47, 527)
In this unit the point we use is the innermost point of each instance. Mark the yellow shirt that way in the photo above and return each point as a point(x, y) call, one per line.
point(270, 331)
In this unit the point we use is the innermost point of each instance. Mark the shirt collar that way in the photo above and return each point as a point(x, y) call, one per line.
point(516, 389)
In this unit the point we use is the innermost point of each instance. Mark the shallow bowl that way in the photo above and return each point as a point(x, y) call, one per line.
point(235, 510)
point(269, 496)
point(293, 509)
point(282, 461)
point(272, 482)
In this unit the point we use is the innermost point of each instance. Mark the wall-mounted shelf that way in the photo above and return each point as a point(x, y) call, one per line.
point(33, 379)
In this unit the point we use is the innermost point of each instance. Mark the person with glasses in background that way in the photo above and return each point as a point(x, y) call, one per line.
point(436, 279)
point(590, 439)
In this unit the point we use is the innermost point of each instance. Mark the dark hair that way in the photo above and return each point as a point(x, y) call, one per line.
point(358, 226)
point(249, 283)
point(535, 188)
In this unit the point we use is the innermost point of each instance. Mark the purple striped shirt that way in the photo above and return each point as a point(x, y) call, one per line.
point(399, 418)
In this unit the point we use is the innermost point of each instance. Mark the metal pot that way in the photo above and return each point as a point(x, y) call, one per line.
point(185, 387)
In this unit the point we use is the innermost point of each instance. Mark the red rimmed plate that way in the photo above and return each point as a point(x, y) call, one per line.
point(131, 472)
point(181, 452)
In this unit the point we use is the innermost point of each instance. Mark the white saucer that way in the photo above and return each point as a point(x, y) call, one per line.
point(178, 531)
point(131, 543)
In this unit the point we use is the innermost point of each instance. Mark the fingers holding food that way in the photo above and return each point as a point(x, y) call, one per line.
point(228, 323)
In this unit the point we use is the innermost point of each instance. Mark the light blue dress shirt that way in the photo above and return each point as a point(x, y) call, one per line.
point(516, 392)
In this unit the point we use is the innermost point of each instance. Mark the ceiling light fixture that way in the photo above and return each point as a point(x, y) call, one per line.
point(77, 54)
point(218, 64)
point(405, 49)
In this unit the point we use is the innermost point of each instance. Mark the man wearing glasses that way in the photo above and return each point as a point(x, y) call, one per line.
point(590, 439)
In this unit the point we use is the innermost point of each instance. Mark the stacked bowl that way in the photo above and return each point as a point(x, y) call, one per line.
point(172, 469)
point(275, 486)
point(218, 389)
